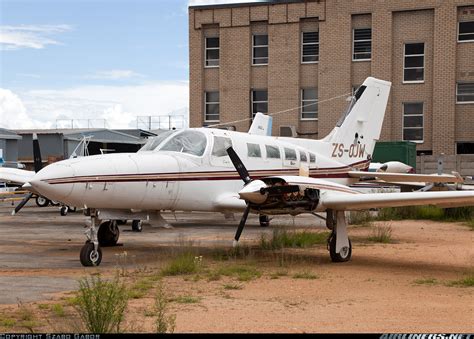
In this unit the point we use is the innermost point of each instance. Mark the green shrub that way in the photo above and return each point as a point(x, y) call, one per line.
point(101, 304)
point(282, 239)
point(164, 323)
point(381, 234)
point(185, 263)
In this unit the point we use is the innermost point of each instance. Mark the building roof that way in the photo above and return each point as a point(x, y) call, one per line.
point(10, 135)
point(244, 3)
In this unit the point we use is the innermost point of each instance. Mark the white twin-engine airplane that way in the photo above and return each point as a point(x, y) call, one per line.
point(195, 170)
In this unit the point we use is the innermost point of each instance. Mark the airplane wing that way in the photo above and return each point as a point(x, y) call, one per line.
point(402, 177)
point(380, 200)
point(15, 176)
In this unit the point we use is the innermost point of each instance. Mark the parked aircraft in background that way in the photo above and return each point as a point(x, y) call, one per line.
point(195, 170)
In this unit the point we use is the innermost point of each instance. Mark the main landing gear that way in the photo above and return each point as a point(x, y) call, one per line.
point(339, 245)
point(264, 220)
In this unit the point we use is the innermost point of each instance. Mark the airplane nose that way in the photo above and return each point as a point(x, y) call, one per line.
point(54, 181)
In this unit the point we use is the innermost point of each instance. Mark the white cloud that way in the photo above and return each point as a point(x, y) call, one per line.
point(29, 36)
point(115, 74)
point(118, 105)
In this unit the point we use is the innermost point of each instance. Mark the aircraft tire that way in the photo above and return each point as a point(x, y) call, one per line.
point(42, 201)
point(89, 257)
point(264, 220)
point(137, 226)
point(108, 234)
point(344, 256)
point(64, 210)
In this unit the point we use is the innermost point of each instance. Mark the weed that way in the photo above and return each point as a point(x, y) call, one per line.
point(305, 275)
point(186, 299)
point(101, 304)
point(43, 307)
point(7, 322)
point(140, 288)
point(24, 312)
point(361, 218)
point(464, 282)
point(470, 224)
point(427, 213)
point(427, 281)
point(278, 274)
point(58, 310)
point(381, 234)
point(232, 287)
point(164, 323)
point(185, 263)
point(242, 273)
point(282, 239)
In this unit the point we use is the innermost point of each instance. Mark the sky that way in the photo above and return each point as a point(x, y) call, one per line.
point(97, 62)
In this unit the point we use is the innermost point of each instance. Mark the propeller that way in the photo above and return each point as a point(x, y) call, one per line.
point(244, 175)
point(38, 166)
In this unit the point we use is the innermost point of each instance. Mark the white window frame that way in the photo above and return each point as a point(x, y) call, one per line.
point(463, 102)
point(309, 43)
point(211, 48)
point(413, 115)
point(414, 55)
point(259, 46)
point(211, 102)
point(257, 102)
point(459, 26)
point(353, 44)
point(307, 102)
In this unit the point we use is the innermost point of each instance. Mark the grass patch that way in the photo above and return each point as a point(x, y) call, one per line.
point(186, 299)
point(58, 310)
point(283, 239)
point(43, 307)
point(381, 234)
point(278, 274)
point(360, 218)
point(7, 322)
point(427, 213)
point(470, 224)
point(101, 304)
point(305, 275)
point(242, 273)
point(427, 281)
point(185, 263)
point(233, 287)
point(464, 282)
point(140, 288)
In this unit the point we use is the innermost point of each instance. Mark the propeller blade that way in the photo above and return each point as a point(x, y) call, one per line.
point(241, 225)
point(37, 154)
point(22, 203)
point(239, 165)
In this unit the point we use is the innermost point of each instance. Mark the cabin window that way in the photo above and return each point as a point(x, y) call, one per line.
point(189, 142)
point(290, 154)
point(153, 143)
point(312, 158)
point(303, 156)
point(272, 152)
point(221, 144)
point(253, 151)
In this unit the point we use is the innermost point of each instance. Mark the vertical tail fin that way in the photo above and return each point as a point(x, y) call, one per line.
point(261, 125)
point(354, 137)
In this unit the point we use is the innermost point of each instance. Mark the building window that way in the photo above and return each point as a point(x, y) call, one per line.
point(465, 148)
point(309, 104)
point(212, 52)
point(362, 47)
point(259, 102)
point(414, 66)
point(465, 92)
point(212, 107)
point(466, 31)
point(260, 49)
point(413, 122)
point(310, 47)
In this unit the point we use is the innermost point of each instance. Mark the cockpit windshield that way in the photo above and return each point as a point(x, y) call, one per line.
point(153, 143)
point(189, 142)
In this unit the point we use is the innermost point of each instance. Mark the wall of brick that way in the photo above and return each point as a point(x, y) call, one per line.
point(393, 23)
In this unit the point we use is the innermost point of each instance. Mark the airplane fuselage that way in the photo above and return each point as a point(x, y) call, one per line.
point(188, 174)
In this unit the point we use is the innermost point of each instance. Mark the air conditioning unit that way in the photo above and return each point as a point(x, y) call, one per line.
point(288, 131)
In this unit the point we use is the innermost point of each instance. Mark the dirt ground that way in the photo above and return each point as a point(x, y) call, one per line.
point(408, 285)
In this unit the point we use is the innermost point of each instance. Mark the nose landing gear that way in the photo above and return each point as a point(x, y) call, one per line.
point(91, 254)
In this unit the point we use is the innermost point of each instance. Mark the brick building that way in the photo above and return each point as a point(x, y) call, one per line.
point(272, 56)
